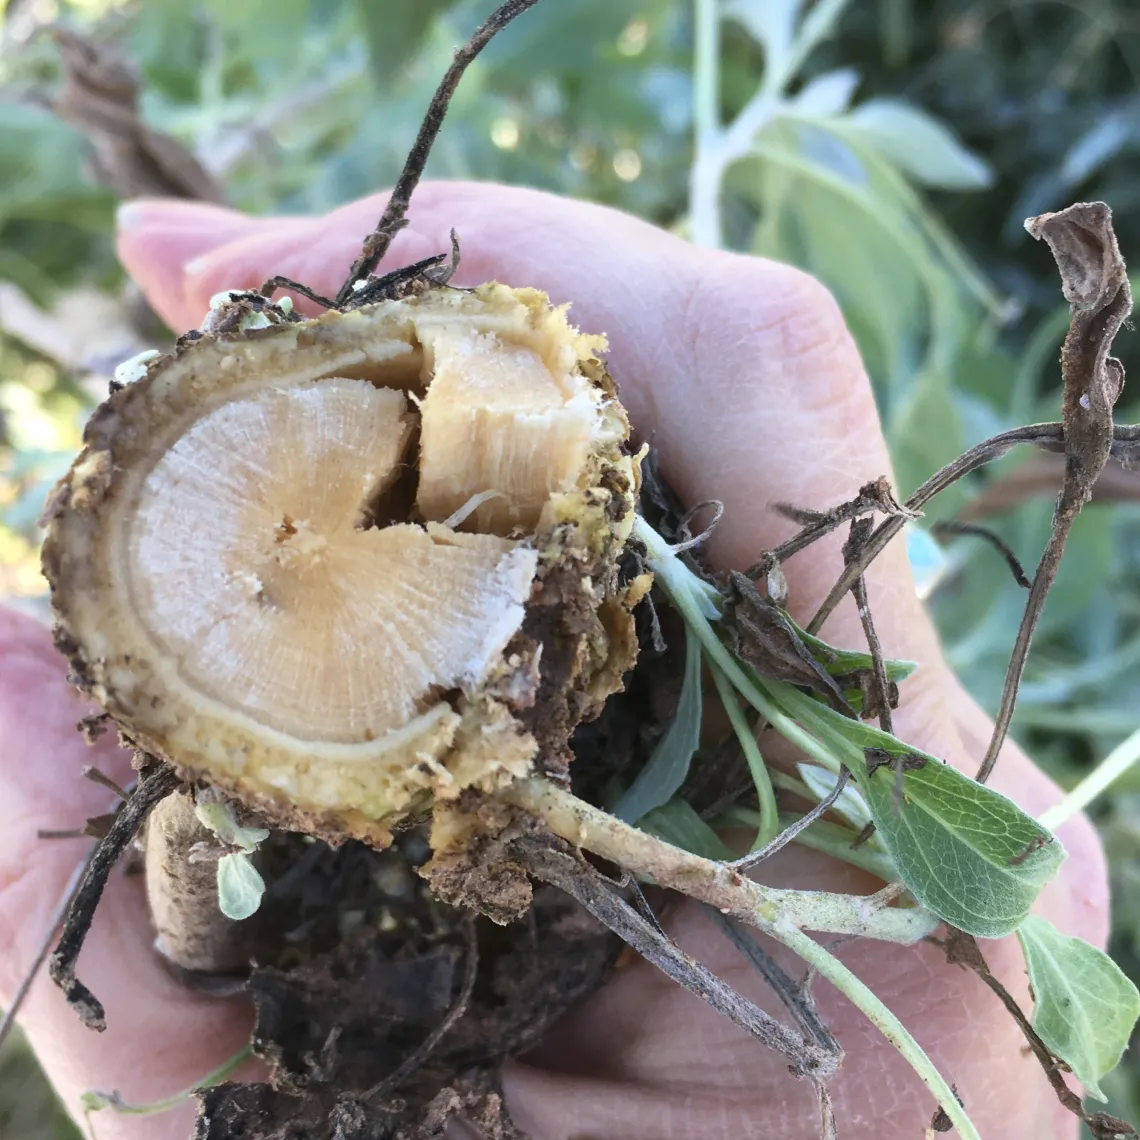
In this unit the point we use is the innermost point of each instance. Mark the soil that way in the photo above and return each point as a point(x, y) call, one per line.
point(360, 964)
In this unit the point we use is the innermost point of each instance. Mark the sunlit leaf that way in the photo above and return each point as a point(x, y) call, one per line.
point(826, 94)
point(667, 768)
point(1084, 1007)
point(240, 886)
point(966, 852)
point(919, 144)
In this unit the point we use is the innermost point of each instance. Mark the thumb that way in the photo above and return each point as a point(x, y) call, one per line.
point(159, 237)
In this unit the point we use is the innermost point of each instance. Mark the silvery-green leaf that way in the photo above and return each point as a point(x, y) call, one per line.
point(1084, 1007)
point(964, 851)
point(919, 144)
point(220, 818)
point(826, 94)
point(240, 886)
point(667, 768)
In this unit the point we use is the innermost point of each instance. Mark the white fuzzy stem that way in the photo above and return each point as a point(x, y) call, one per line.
point(710, 882)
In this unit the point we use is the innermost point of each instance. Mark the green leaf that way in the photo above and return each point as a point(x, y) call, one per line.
point(966, 852)
point(394, 32)
point(667, 768)
point(920, 145)
point(1084, 1006)
point(841, 661)
point(221, 818)
point(678, 823)
point(827, 94)
point(240, 886)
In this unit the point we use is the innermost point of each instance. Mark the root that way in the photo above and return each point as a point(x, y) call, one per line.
point(153, 787)
point(192, 931)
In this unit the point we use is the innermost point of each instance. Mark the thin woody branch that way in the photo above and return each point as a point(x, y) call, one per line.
point(393, 219)
point(152, 788)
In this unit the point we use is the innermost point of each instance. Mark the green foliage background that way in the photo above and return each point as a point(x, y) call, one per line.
point(913, 220)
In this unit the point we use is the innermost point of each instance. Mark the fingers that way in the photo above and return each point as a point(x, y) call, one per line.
point(161, 1037)
point(739, 369)
point(743, 374)
point(643, 1060)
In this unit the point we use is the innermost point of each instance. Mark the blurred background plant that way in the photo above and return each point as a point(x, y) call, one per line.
point(891, 147)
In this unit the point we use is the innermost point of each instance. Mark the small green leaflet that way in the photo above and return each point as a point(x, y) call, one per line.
point(678, 823)
point(844, 662)
point(1084, 1007)
point(220, 818)
point(240, 886)
point(667, 768)
point(966, 852)
point(840, 661)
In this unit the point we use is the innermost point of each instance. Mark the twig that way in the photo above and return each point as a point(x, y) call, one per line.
point(393, 219)
point(1095, 282)
point(976, 530)
point(792, 830)
point(582, 883)
point(152, 788)
point(1048, 436)
point(409, 280)
point(826, 1112)
point(96, 776)
point(961, 949)
point(274, 283)
point(875, 496)
point(458, 1008)
point(22, 991)
point(860, 532)
point(988, 451)
point(796, 997)
point(717, 884)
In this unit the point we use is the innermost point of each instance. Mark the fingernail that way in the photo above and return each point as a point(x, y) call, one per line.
point(194, 266)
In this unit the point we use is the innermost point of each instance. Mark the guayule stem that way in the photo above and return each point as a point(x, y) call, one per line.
point(717, 884)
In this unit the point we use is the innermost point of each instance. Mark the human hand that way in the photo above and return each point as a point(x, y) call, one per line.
point(745, 375)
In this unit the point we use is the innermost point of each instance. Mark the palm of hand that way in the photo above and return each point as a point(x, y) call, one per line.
point(754, 393)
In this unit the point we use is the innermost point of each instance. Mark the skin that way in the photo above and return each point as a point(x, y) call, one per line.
point(743, 372)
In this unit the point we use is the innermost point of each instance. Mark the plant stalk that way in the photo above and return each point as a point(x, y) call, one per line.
point(881, 1017)
point(717, 884)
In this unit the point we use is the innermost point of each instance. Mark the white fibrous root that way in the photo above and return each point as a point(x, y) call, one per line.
point(346, 568)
